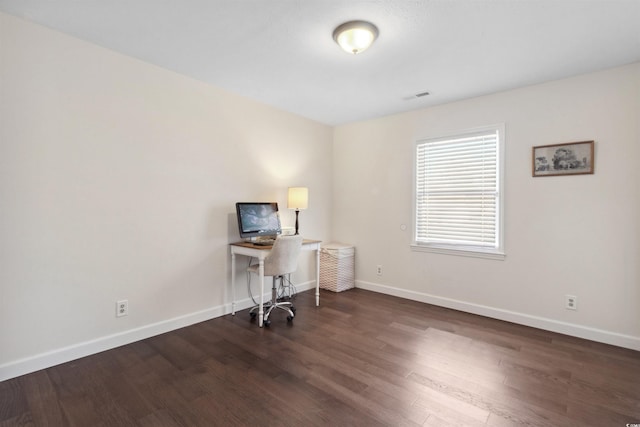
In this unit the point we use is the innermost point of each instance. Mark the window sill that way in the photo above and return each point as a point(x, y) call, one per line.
point(460, 251)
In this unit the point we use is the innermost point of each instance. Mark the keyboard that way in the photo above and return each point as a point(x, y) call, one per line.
point(267, 242)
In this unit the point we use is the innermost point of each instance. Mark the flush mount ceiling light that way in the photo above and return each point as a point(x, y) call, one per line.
point(355, 36)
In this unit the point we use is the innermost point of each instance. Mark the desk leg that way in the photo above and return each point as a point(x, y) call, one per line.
point(261, 308)
point(317, 277)
point(233, 283)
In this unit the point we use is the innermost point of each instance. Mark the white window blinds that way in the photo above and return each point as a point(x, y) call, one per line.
point(457, 191)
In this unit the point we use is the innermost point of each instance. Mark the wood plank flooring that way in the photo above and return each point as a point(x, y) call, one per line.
point(360, 359)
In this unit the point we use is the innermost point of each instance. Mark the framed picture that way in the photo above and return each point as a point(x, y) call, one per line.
point(572, 158)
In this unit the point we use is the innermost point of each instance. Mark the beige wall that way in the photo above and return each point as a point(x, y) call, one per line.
point(118, 181)
point(575, 235)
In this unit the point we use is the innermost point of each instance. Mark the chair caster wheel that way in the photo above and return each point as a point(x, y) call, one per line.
point(289, 318)
point(266, 323)
point(253, 315)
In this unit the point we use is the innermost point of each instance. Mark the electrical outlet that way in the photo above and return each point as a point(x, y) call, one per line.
point(571, 302)
point(379, 270)
point(122, 308)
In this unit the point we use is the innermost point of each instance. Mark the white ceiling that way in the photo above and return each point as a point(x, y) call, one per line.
point(281, 52)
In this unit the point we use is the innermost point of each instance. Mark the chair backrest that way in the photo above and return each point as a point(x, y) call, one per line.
point(283, 258)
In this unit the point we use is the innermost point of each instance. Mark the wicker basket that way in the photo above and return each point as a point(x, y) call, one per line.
point(337, 269)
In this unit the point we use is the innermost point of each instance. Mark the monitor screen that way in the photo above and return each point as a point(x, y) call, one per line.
point(258, 219)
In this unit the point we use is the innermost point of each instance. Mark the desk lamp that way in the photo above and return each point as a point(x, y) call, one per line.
point(298, 199)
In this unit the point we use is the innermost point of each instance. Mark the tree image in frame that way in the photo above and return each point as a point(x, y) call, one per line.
point(564, 159)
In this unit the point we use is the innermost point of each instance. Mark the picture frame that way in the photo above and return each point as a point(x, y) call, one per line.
point(571, 158)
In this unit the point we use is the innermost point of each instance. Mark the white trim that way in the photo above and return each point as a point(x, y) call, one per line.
point(486, 253)
point(75, 351)
point(579, 331)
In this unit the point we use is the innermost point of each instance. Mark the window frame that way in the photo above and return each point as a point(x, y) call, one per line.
point(498, 252)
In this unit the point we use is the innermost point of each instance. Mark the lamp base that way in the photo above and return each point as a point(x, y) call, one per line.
point(297, 212)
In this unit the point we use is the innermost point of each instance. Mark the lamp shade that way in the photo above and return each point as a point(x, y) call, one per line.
point(298, 198)
point(355, 36)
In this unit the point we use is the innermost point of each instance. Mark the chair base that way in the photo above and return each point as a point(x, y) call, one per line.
point(269, 306)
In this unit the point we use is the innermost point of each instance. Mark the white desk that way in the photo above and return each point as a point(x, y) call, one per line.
point(261, 252)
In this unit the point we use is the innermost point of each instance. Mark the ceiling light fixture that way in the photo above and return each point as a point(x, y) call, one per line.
point(355, 36)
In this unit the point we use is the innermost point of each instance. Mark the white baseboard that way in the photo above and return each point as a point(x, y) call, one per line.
point(579, 331)
point(66, 354)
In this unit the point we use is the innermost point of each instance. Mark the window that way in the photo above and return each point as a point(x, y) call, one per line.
point(458, 193)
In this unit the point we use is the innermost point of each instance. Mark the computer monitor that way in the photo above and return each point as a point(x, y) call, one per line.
point(258, 219)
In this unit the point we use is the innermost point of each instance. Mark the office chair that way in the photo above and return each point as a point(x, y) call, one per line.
point(283, 259)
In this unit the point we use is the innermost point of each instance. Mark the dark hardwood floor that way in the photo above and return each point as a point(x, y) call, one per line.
point(360, 359)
